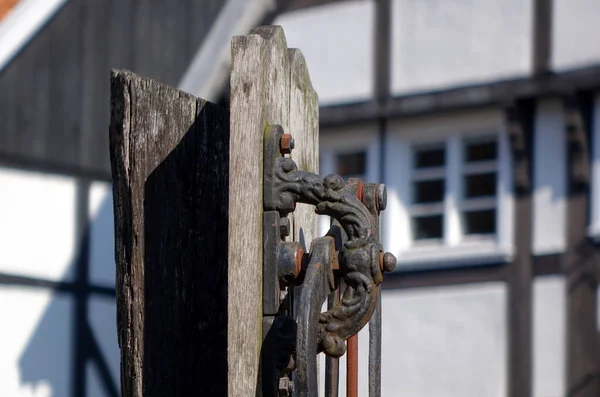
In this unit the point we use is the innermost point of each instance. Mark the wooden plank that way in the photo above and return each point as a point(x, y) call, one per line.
point(542, 37)
point(95, 72)
point(169, 154)
point(466, 97)
point(445, 277)
point(259, 97)
point(64, 121)
point(269, 85)
point(580, 260)
point(520, 273)
point(304, 127)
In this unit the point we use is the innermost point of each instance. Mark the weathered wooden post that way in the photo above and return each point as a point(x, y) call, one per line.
point(188, 197)
point(169, 154)
point(220, 275)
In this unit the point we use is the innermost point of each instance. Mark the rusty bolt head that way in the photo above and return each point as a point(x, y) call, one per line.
point(284, 226)
point(286, 144)
point(299, 260)
point(381, 197)
point(387, 262)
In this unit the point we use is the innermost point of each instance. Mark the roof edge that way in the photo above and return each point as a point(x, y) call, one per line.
point(22, 23)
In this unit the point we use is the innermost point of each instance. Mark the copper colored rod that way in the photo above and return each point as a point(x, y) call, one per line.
point(352, 367)
point(332, 365)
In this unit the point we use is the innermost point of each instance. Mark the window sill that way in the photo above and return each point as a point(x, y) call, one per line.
point(468, 254)
point(594, 233)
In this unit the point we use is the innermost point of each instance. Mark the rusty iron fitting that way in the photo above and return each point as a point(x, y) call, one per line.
point(360, 187)
point(289, 262)
point(387, 262)
point(286, 144)
point(381, 197)
point(284, 226)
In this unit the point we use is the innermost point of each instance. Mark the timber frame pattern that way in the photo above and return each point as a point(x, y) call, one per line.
point(580, 264)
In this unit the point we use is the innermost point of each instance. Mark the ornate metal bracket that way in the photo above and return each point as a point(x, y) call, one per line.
point(357, 258)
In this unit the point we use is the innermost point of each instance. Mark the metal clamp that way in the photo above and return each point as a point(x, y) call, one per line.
point(351, 252)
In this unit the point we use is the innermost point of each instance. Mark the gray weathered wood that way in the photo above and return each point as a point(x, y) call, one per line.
point(169, 155)
point(269, 85)
point(304, 127)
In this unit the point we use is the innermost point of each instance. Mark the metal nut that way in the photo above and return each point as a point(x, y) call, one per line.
point(286, 145)
point(284, 226)
point(381, 197)
point(387, 262)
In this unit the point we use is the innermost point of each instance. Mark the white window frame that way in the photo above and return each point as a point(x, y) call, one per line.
point(594, 227)
point(454, 249)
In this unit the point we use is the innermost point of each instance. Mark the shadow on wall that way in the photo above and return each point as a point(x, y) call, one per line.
point(80, 318)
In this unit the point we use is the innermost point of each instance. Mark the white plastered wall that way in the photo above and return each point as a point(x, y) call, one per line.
point(549, 178)
point(439, 44)
point(337, 42)
point(575, 34)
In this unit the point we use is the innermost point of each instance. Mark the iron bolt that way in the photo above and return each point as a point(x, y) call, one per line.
point(286, 144)
point(387, 262)
point(381, 197)
point(284, 226)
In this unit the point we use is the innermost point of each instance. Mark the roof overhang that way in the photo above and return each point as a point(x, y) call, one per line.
point(22, 23)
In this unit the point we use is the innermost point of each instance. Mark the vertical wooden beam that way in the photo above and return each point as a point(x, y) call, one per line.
point(583, 376)
point(382, 54)
point(542, 37)
point(270, 85)
point(169, 155)
point(519, 273)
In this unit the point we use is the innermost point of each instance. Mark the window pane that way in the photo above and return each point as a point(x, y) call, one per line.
point(429, 191)
point(430, 157)
point(480, 151)
point(351, 164)
point(480, 222)
point(427, 227)
point(480, 185)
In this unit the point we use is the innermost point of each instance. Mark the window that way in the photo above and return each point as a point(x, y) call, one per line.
point(474, 177)
point(428, 191)
point(351, 165)
point(449, 183)
point(480, 181)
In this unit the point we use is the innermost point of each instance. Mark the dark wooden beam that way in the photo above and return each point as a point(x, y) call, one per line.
point(294, 5)
point(441, 277)
point(466, 97)
point(546, 265)
point(382, 53)
point(520, 272)
point(542, 37)
point(583, 375)
point(171, 238)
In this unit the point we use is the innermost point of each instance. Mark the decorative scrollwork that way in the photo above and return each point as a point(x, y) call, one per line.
point(361, 257)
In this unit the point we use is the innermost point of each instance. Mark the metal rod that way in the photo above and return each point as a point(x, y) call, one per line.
point(375, 351)
point(332, 365)
point(352, 367)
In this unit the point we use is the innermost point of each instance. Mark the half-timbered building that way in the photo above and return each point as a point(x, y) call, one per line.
point(482, 119)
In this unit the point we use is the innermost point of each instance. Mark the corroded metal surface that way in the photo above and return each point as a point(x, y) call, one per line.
point(358, 262)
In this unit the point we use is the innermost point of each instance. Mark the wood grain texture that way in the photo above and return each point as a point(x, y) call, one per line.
point(519, 120)
point(269, 85)
point(304, 127)
point(169, 155)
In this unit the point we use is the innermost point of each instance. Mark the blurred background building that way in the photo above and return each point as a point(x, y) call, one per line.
point(494, 293)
